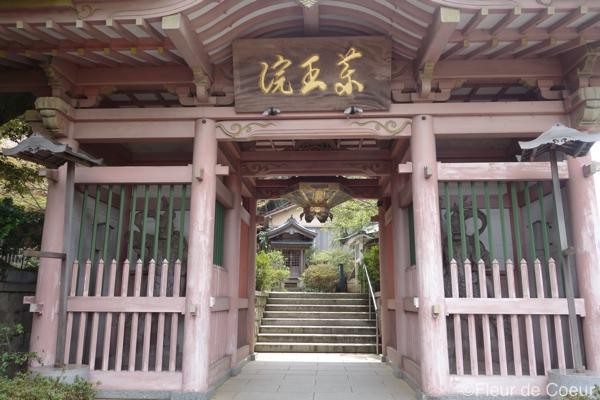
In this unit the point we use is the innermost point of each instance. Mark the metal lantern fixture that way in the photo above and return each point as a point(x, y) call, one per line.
point(317, 199)
point(572, 142)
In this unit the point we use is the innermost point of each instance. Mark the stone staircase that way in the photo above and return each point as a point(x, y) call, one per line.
point(300, 322)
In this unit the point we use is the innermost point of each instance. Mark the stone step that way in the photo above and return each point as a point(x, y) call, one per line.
point(317, 321)
point(314, 338)
point(314, 314)
point(314, 347)
point(317, 308)
point(280, 295)
point(318, 300)
point(315, 330)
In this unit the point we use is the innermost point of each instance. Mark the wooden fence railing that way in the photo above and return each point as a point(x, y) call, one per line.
point(125, 317)
point(507, 320)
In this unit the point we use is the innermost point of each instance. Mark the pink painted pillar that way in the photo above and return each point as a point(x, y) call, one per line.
point(401, 261)
point(583, 204)
point(44, 330)
point(231, 261)
point(428, 249)
point(383, 277)
point(196, 341)
point(251, 315)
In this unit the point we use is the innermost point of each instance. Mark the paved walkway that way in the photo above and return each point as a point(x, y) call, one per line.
point(315, 377)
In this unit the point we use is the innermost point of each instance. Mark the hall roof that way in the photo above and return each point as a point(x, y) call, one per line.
point(89, 41)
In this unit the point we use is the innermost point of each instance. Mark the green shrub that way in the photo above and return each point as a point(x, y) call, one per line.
point(371, 260)
point(35, 387)
point(270, 270)
point(334, 257)
point(12, 362)
point(320, 278)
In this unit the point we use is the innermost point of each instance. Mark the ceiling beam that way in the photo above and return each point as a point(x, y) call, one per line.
point(177, 28)
point(444, 24)
point(311, 20)
point(311, 168)
point(475, 21)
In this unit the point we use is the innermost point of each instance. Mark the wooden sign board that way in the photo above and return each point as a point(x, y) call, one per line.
point(312, 74)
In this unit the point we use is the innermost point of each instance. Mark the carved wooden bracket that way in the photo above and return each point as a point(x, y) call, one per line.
point(55, 113)
point(584, 107)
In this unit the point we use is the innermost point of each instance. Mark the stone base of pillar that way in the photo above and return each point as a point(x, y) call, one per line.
point(66, 374)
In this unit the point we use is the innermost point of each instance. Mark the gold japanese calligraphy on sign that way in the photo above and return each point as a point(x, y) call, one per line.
point(306, 74)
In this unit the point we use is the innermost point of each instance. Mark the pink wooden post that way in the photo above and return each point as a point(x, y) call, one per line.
point(401, 261)
point(195, 365)
point(586, 240)
point(383, 292)
point(251, 315)
point(428, 251)
point(44, 330)
point(231, 261)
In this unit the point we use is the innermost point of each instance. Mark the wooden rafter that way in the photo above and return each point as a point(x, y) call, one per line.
point(445, 22)
point(567, 19)
point(539, 18)
point(311, 20)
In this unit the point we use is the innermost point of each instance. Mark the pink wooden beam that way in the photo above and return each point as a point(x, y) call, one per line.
point(251, 276)
point(503, 171)
point(509, 48)
point(539, 18)
point(506, 20)
point(35, 31)
point(570, 45)
point(567, 19)
point(132, 304)
point(529, 51)
point(130, 76)
point(475, 21)
point(142, 24)
point(58, 28)
point(138, 380)
point(117, 27)
point(133, 175)
point(444, 23)
point(587, 25)
point(512, 306)
point(177, 28)
point(311, 20)
point(91, 30)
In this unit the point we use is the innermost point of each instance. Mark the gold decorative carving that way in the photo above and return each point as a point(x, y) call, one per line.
point(237, 130)
point(391, 126)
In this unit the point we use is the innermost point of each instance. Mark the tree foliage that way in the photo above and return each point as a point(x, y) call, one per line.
point(352, 216)
point(271, 270)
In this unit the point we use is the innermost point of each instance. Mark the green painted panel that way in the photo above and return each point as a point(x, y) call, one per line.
point(219, 234)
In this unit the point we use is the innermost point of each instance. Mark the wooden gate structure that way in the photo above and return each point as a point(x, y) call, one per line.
point(158, 291)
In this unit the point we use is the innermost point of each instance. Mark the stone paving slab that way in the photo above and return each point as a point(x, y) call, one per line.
point(299, 376)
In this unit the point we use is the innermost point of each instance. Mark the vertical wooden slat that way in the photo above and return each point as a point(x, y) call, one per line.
point(500, 187)
point(530, 234)
point(182, 218)
point(458, 349)
point(558, 331)
point(485, 321)
point(148, 318)
point(539, 282)
point(516, 225)
point(82, 222)
point(170, 222)
point(132, 222)
point(95, 223)
point(528, 321)
point(121, 325)
point(174, 317)
point(112, 278)
point(499, 320)
point(514, 320)
point(69, 329)
point(96, 316)
point(137, 288)
point(448, 222)
point(157, 223)
point(161, 317)
point(144, 220)
point(488, 214)
point(463, 232)
point(107, 224)
point(475, 218)
point(83, 315)
point(120, 223)
point(471, 320)
point(545, 239)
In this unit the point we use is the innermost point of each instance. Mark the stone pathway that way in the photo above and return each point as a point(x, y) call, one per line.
point(293, 376)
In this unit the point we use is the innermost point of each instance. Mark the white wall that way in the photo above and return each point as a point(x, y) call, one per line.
point(596, 157)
